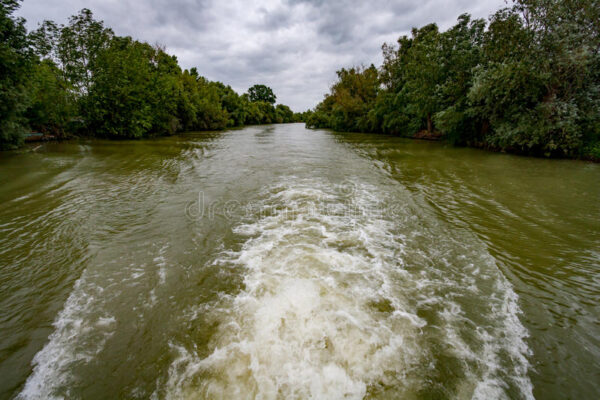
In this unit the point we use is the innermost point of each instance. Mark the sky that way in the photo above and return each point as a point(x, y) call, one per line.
point(293, 46)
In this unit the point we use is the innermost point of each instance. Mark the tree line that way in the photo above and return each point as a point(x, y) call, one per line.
point(82, 79)
point(525, 81)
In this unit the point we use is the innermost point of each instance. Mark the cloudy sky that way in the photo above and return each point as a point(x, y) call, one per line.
point(294, 46)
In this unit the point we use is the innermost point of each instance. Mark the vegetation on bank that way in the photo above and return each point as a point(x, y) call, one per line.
point(82, 79)
point(527, 81)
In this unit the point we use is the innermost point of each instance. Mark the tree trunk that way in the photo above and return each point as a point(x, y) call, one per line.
point(429, 124)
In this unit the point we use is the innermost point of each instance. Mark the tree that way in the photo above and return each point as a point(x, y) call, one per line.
point(530, 83)
point(349, 104)
point(52, 104)
point(284, 114)
point(120, 98)
point(424, 73)
point(164, 91)
point(262, 93)
point(79, 45)
point(15, 64)
point(232, 103)
point(461, 50)
point(540, 88)
point(211, 115)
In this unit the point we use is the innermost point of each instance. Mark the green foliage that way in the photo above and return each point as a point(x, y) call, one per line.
point(423, 73)
point(529, 83)
point(52, 103)
point(593, 151)
point(461, 54)
point(348, 106)
point(80, 78)
point(262, 93)
point(318, 119)
point(283, 114)
point(233, 103)
point(120, 100)
point(74, 47)
point(540, 88)
point(211, 114)
point(302, 116)
point(15, 64)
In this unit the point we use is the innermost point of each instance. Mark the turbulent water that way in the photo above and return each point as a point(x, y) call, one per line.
point(276, 262)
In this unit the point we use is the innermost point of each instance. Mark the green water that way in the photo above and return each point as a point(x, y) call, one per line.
point(278, 262)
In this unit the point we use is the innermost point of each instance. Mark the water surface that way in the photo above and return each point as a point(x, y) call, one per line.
point(280, 262)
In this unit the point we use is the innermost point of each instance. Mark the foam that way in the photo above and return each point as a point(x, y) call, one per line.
point(75, 339)
point(330, 308)
point(341, 299)
point(86, 322)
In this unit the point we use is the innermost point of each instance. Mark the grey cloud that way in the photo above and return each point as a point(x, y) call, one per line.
point(273, 20)
point(294, 46)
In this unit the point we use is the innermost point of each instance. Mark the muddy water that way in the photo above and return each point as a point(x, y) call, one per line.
point(278, 262)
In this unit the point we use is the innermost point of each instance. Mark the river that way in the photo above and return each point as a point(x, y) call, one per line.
point(280, 262)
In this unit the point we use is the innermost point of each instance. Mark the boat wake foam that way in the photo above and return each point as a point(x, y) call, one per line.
point(342, 300)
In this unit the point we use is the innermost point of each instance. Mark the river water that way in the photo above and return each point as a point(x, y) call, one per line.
point(279, 262)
